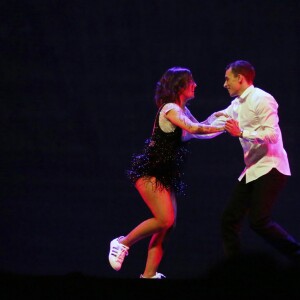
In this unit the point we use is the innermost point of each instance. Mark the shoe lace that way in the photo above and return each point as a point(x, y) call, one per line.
point(121, 254)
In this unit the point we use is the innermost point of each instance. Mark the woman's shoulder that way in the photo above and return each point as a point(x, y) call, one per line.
point(168, 106)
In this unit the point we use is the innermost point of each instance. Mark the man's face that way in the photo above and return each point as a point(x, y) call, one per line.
point(232, 83)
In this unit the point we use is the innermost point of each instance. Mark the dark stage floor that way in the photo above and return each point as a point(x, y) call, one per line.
point(226, 283)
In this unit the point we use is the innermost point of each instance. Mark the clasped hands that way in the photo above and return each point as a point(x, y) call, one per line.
point(231, 126)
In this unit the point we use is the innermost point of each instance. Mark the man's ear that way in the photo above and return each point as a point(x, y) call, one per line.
point(241, 78)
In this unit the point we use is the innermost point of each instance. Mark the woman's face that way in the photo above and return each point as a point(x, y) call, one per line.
point(189, 91)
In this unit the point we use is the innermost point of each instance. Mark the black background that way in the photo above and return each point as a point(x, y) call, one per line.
point(77, 85)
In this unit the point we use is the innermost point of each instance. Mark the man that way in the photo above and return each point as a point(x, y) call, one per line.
point(253, 118)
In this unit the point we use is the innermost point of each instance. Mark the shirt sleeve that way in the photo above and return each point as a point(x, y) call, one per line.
point(204, 136)
point(170, 106)
point(266, 132)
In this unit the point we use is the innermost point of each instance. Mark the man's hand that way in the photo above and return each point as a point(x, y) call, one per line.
point(232, 126)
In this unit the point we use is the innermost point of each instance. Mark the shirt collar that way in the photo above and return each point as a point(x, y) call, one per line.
point(246, 93)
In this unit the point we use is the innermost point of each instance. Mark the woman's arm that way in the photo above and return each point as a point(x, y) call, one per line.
point(180, 119)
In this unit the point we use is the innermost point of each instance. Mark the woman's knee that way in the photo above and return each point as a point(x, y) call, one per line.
point(166, 223)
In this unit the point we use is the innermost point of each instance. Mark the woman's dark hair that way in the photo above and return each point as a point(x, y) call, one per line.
point(170, 84)
point(242, 67)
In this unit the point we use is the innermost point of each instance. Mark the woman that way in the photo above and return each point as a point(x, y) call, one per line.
point(157, 171)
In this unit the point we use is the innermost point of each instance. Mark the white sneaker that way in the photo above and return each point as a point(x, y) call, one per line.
point(117, 253)
point(156, 276)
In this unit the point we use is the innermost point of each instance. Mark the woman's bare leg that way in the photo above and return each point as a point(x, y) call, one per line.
point(163, 207)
